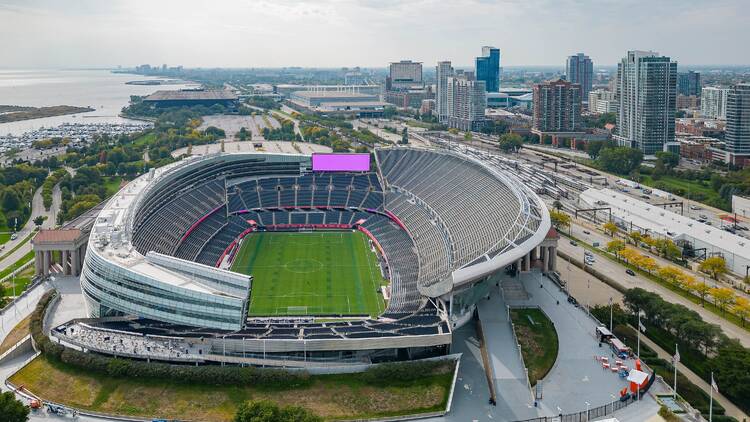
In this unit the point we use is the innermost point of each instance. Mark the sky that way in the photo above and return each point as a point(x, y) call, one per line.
point(368, 33)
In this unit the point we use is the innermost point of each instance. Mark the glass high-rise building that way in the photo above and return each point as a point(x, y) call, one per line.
point(737, 136)
point(646, 94)
point(579, 69)
point(487, 68)
point(689, 83)
point(443, 71)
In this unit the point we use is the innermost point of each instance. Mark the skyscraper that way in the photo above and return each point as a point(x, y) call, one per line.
point(467, 99)
point(689, 83)
point(404, 74)
point(646, 94)
point(557, 106)
point(714, 102)
point(737, 136)
point(579, 69)
point(487, 68)
point(443, 71)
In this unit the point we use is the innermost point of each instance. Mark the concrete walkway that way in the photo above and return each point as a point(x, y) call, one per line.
point(514, 399)
point(576, 377)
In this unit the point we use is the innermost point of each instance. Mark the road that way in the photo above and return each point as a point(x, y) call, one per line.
point(617, 272)
point(37, 209)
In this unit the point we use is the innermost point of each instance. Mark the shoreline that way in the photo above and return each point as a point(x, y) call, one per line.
point(33, 113)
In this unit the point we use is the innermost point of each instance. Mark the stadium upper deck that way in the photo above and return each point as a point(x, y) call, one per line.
point(443, 222)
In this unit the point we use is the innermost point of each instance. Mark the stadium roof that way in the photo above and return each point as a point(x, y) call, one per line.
point(192, 95)
point(332, 94)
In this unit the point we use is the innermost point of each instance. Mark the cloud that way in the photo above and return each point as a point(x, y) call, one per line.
point(364, 32)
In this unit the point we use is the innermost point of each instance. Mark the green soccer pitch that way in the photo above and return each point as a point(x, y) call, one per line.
point(311, 273)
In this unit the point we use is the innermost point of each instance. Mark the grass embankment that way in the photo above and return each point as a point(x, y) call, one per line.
point(697, 190)
point(538, 339)
point(40, 112)
point(333, 397)
point(20, 331)
point(17, 284)
point(18, 245)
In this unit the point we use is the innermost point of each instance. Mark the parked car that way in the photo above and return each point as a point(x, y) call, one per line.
point(630, 272)
point(586, 232)
point(14, 236)
point(574, 243)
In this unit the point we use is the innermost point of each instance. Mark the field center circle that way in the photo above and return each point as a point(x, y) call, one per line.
point(302, 266)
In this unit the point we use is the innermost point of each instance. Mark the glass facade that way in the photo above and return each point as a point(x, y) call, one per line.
point(111, 289)
point(488, 68)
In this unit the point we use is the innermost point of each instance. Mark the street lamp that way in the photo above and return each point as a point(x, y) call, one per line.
point(588, 405)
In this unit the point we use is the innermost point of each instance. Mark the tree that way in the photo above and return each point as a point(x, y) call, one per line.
point(11, 202)
point(702, 289)
point(39, 220)
point(636, 237)
point(11, 409)
point(741, 308)
point(667, 248)
point(559, 219)
point(723, 296)
point(405, 136)
point(610, 228)
point(557, 205)
point(615, 247)
point(670, 274)
point(647, 263)
point(593, 148)
point(715, 266)
point(670, 160)
point(510, 142)
point(620, 160)
point(468, 136)
point(630, 255)
point(267, 411)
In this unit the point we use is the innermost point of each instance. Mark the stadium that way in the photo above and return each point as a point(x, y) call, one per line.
point(297, 260)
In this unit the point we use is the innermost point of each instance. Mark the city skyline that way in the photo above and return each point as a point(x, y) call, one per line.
point(314, 34)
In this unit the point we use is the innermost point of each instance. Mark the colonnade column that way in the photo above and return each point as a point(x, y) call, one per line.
point(553, 259)
point(38, 262)
point(65, 262)
point(76, 262)
point(46, 262)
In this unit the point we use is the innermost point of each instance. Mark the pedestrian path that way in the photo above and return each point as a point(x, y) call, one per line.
point(514, 399)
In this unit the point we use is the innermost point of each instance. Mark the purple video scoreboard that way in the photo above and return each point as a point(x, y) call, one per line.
point(340, 162)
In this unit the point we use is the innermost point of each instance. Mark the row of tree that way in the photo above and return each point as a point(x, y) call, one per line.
point(723, 298)
point(704, 347)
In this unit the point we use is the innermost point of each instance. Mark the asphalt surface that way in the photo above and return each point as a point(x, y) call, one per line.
point(37, 209)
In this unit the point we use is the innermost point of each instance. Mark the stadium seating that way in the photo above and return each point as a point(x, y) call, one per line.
point(478, 211)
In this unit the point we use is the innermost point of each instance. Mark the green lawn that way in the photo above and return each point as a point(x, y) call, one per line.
point(148, 138)
point(334, 397)
point(538, 339)
point(320, 273)
point(112, 184)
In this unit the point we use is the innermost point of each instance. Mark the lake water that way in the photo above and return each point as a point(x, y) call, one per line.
point(102, 90)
